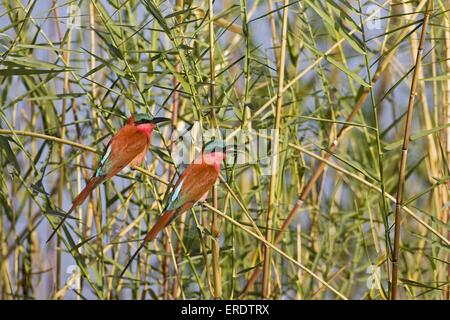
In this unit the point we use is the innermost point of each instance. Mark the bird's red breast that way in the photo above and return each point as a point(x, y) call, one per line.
point(147, 129)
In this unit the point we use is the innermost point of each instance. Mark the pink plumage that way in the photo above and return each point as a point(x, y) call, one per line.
point(127, 147)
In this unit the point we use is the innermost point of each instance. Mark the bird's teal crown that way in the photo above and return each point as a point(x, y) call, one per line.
point(140, 118)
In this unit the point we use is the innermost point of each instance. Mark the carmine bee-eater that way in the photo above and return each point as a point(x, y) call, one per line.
point(127, 147)
point(192, 186)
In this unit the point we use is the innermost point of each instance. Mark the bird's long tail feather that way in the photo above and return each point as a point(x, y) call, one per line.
point(78, 200)
point(162, 222)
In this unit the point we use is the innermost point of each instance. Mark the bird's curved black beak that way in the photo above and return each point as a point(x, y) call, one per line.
point(160, 119)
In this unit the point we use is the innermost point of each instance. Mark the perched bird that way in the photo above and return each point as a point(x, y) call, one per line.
point(127, 147)
point(191, 187)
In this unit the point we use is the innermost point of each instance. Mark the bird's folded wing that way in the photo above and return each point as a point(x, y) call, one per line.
point(122, 149)
point(195, 181)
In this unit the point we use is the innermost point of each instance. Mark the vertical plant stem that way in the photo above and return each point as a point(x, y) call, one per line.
point(166, 263)
point(404, 154)
point(273, 29)
point(89, 213)
point(66, 58)
point(446, 119)
point(275, 157)
point(299, 260)
point(215, 247)
point(97, 213)
point(384, 206)
point(92, 57)
point(438, 199)
point(179, 5)
point(247, 75)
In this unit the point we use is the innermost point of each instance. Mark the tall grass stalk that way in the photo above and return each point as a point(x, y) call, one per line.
point(275, 156)
point(404, 154)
